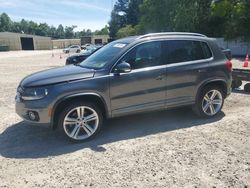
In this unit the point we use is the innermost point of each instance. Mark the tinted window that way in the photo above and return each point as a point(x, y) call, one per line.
point(183, 50)
point(144, 55)
point(206, 49)
point(103, 56)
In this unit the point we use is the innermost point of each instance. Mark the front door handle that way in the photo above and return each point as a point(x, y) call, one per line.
point(160, 77)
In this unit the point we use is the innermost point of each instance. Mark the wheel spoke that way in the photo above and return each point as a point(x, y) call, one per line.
point(90, 118)
point(87, 130)
point(75, 132)
point(206, 98)
point(80, 112)
point(212, 110)
point(217, 101)
point(70, 121)
point(206, 107)
point(213, 95)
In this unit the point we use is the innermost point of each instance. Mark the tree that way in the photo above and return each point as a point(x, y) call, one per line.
point(118, 17)
point(157, 16)
point(234, 16)
point(103, 31)
point(133, 12)
point(60, 32)
point(69, 32)
point(88, 32)
point(24, 26)
point(52, 32)
point(31, 27)
point(43, 29)
point(16, 27)
point(5, 22)
point(129, 30)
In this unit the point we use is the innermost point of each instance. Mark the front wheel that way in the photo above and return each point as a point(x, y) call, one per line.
point(81, 121)
point(209, 102)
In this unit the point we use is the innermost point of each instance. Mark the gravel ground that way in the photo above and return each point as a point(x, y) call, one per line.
point(160, 149)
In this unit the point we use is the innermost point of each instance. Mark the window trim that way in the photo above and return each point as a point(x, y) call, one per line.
point(198, 60)
point(137, 44)
point(165, 65)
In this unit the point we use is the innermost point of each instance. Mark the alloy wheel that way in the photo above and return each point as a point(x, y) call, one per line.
point(81, 122)
point(212, 102)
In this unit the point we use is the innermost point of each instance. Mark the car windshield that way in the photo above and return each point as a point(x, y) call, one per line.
point(88, 52)
point(100, 58)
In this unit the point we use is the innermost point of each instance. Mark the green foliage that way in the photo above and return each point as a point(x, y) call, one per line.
point(103, 31)
point(118, 17)
point(125, 12)
point(235, 17)
point(215, 18)
point(128, 30)
point(43, 29)
point(5, 22)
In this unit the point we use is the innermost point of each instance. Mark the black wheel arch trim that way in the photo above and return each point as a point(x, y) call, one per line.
point(58, 102)
point(210, 81)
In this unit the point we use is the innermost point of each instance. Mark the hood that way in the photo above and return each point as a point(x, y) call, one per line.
point(78, 55)
point(57, 75)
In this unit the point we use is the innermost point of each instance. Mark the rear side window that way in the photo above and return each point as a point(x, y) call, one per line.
point(177, 51)
point(207, 51)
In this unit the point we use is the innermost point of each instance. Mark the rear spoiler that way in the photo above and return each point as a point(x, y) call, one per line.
point(227, 53)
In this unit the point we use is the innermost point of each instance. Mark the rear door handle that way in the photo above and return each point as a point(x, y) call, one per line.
point(202, 70)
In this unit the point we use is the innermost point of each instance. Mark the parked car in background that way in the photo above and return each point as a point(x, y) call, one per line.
point(72, 49)
point(83, 47)
point(86, 48)
point(78, 58)
point(227, 53)
point(156, 71)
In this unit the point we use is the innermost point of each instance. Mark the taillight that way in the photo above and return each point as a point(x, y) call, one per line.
point(229, 66)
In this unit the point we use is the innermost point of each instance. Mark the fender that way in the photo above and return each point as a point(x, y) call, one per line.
point(205, 82)
point(77, 95)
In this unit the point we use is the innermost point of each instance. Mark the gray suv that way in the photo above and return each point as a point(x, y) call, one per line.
point(136, 74)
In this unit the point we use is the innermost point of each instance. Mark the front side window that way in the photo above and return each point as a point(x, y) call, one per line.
point(176, 51)
point(144, 55)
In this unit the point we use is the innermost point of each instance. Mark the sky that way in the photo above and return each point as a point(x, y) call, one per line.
point(85, 14)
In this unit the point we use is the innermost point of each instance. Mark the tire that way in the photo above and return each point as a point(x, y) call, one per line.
point(236, 84)
point(209, 102)
point(247, 87)
point(74, 124)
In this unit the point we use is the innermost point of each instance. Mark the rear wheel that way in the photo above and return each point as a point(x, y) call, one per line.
point(247, 87)
point(209, 102)
point(236, 84)
point(81, 121)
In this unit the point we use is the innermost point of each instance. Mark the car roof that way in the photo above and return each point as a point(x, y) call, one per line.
point(163, 35)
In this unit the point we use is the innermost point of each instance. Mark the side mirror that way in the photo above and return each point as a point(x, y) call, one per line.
point(123, 67)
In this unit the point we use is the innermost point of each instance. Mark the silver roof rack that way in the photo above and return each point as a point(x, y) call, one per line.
point(170, 33)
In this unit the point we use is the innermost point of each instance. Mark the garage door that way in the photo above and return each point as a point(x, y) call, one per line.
point(27, 43)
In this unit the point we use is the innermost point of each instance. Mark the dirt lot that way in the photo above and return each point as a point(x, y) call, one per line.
point(161, 149)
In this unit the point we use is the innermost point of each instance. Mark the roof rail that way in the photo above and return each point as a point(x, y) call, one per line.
point(170, 33)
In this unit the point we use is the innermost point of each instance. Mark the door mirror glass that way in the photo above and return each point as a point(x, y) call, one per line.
point(123, 67)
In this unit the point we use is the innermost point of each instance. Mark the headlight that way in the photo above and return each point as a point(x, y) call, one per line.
point(34, 93)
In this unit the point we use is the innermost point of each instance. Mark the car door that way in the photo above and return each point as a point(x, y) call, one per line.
point(144, 87)
point(73, 49)
point(187, 64)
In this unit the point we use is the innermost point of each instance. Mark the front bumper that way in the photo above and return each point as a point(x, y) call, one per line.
point(43, 113)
